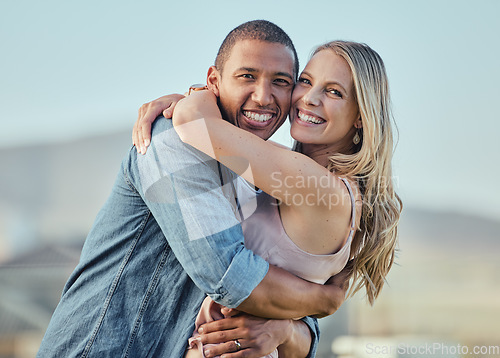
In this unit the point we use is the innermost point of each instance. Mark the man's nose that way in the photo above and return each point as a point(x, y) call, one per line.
point(262, 94)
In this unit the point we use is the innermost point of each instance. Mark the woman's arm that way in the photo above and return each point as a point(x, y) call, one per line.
point(149, 112)
point(279, 172)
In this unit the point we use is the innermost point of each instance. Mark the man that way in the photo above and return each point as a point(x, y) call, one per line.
point(168, 234)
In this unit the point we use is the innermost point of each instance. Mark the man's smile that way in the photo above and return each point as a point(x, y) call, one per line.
point(258, 118)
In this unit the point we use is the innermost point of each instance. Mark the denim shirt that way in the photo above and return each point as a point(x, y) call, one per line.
point(166, 236)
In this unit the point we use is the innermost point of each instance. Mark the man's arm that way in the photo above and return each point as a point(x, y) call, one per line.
point(283, 295)
point(181, 187)
point(324, 299)
point(302, 340)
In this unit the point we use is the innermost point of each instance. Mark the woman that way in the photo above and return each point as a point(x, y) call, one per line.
point(334, 192)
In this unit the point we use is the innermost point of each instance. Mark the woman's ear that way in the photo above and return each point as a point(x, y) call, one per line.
point(213, 80)
point(358, 123)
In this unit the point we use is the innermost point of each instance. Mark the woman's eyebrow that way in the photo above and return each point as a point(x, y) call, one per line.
point(328, 82)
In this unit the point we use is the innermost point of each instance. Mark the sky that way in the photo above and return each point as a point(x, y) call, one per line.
point(77, 68)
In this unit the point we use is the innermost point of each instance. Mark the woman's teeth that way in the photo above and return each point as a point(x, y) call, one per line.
point(309, 119)
point(258, 117)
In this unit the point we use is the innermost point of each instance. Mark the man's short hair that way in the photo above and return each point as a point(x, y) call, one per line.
point(262, 30)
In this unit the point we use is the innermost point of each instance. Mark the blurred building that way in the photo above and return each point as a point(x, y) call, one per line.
point(30, 287)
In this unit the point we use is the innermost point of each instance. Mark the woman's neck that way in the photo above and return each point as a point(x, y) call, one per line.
point(321, 152)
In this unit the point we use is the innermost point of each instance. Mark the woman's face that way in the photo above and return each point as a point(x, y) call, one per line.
point(324, 109)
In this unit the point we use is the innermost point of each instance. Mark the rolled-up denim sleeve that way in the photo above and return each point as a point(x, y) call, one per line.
point(312, 323)
point(182, 188)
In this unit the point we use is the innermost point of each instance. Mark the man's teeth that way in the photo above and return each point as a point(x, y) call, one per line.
point(258, 117)
point(309, 119)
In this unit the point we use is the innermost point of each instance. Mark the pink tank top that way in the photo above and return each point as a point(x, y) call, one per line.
point(265, 235)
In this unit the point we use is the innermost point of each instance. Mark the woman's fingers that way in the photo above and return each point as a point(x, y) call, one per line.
point(148, 112)
point(168, 112)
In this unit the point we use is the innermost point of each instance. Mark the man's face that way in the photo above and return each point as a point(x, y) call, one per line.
point(255, 86)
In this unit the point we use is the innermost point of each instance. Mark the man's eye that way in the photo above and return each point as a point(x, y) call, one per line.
point(247, 75)
point(282, 82)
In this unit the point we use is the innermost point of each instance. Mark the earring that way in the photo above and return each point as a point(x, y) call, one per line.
point(356, 138)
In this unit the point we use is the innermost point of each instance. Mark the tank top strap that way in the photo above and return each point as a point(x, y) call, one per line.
point(353, 207)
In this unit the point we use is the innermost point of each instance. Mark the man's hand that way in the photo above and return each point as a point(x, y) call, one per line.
point(257, 336)
point(342, 278)
point(141, 135)
point(337, 287)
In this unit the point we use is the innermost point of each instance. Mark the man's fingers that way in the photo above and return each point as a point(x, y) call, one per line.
point(254, 336)
point(343, 276)
point(219, 325)
point(219, 337)
point(229, 312)
point(348, 267)
point(227, 347)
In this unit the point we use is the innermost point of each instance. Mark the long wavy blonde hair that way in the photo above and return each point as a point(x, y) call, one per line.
point(375, 243)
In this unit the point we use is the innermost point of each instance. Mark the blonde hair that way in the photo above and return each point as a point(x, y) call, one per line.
point(375, 244)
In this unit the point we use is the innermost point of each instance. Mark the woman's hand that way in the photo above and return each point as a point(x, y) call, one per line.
point(141, 134)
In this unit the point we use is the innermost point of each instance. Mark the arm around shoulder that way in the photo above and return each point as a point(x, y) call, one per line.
point(182, 189)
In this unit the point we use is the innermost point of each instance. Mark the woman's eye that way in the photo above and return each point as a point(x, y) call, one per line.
point(335, 92)
point(304, 81)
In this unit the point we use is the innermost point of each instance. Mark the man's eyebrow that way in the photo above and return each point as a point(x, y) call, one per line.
point(246, 69)
point(285, 74)
point(253, 70)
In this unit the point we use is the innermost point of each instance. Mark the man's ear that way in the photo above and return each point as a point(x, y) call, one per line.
point(213, 80)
